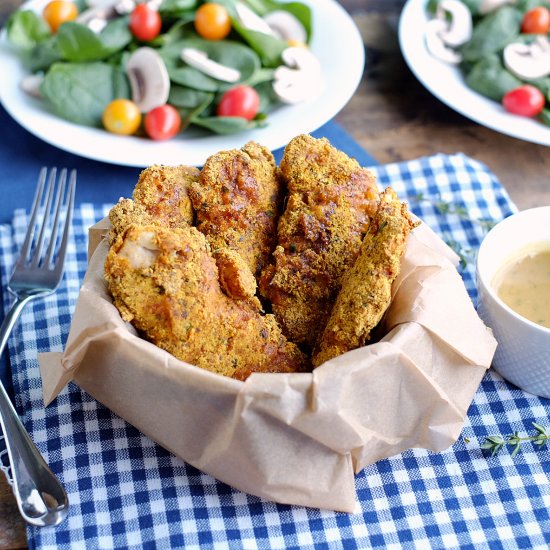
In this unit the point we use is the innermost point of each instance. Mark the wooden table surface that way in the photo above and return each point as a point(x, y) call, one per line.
point(394, 118)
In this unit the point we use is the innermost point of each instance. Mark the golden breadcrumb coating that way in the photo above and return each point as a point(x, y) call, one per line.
point(237, 201)
point(165, 282)
point(366, 287)
point(330, 201)
point(160, 197)
point(236, 279)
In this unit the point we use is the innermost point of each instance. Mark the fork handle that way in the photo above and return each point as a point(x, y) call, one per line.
point(41, 498)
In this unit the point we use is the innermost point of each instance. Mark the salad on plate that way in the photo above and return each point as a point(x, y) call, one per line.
point(155, 68)
point(501, 47)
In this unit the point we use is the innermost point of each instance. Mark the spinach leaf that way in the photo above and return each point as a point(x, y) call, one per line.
point(79, 43)
point(526, 5)
point(492, 34)
point(178, 8)
point(472, 5)
point(26, 29)
point(193, 78)
point(544, 117)
point(268, 98)
point(228, 53)
point(79, 92)
point(189, 114)
point(267, 47)
point(489, 78)
point(226, 124)
point(302, 12)
point(116, 35)
point(186, 98)
point(42, 55)
point(543, 84)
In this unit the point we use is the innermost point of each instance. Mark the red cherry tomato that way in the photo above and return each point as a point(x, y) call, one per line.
point(145, 23)
point(212, 21)
point(536, 21)
point(242, 101)
point(162, 123)
point(525, 101)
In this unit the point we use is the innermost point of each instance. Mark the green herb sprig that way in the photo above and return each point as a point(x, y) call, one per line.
point(496, 443)
point(445, 208)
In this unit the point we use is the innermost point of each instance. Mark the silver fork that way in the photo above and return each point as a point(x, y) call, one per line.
point(41, 498)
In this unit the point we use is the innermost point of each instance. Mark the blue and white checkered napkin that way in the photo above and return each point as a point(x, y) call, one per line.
point(125, 491)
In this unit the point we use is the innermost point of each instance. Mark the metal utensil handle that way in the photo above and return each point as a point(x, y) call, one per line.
point(39, 494)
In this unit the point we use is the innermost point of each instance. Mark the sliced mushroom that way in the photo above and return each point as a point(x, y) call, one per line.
point(285, 26)
point(459, 30)
point(487, 6)
point(148, 78)
point(100, 13)
point(435, 43)
point(200, 60)
point(251, 20)
point(31, 84)
point(528, 61)
point(300, 78)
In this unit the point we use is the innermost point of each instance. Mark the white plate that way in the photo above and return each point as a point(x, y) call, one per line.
point(447, 84)
point(336, 42)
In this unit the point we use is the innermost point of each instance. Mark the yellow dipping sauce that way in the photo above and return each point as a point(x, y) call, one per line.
point(523, 284)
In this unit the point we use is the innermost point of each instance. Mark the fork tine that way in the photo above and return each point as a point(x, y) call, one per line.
point(34, 213)
point(55, 225)
point(68, 218)
point(39, 243)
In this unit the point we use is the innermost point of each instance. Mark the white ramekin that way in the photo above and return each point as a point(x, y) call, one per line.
point(523, 351)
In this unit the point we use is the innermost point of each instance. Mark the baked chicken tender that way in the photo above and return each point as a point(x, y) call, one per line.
point(366, 288)
point(160, 197)
point(330, 202)
point(237, 202)
point(165, 282)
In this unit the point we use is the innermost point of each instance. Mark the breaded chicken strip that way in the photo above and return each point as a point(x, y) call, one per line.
point(236, 279)
point(165, 282)
point(330, 201)
point(366, 287)
point(237, 202)
point(160, 197)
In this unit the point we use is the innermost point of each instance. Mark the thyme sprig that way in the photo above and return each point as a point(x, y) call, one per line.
point(495, 443)
point(444, 208)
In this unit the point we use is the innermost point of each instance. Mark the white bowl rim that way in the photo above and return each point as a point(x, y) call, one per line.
point(544, 331)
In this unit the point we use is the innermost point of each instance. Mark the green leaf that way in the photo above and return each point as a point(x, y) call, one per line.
point(267, 47)
point(225, 125)
point(490, 78)
point(186, 98)
point(79, 92)
point(42, 56)
point(516, 449)
point(226, 52)
point(495, 439)
point(193, 78)
point(541, 429)
point(79, 43)
point(492, 34)
point(178, 8)
point(544, 117)
point(26, 29)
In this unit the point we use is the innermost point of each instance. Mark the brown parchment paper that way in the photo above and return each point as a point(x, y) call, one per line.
point(292, 438)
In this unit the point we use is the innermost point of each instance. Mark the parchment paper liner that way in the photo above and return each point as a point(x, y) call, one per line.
point(292, 438)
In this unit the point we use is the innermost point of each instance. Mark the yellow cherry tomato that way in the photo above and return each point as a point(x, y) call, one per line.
point(212, 21)
point(57, 12)
point(122, 116)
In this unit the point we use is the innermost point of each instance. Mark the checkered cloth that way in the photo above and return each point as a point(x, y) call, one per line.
point(127, 492)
